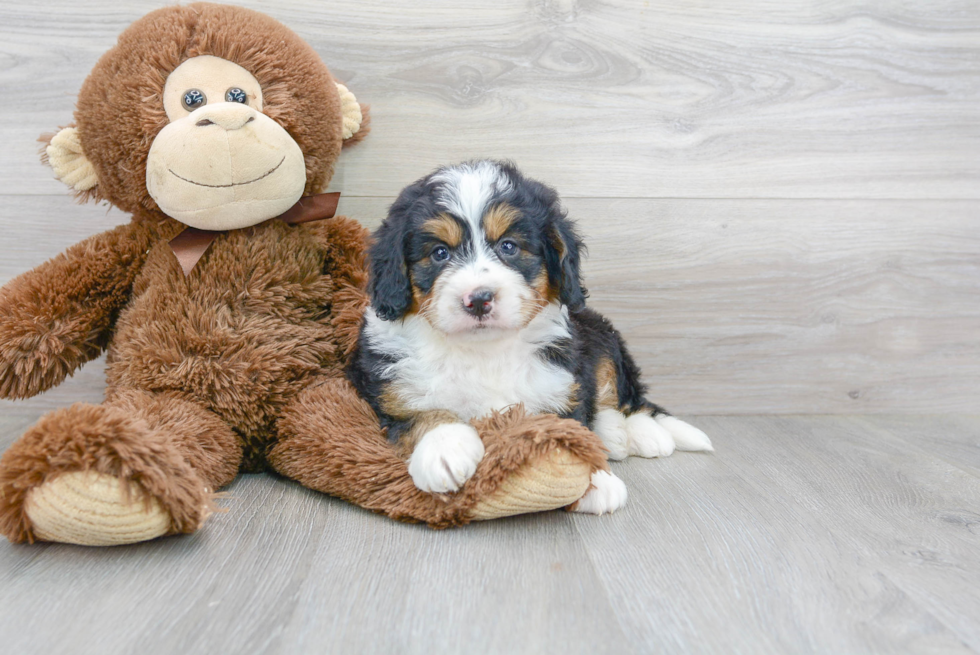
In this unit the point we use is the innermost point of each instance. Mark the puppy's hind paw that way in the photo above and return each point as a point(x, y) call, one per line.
point(647, 438)
point(608, 493)
point(610, 425)
point(686, 436)
point(445, 458)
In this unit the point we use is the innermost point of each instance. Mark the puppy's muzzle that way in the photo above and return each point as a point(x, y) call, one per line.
point(479, 303)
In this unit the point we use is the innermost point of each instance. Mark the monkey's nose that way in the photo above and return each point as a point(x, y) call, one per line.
point(227, 115)
point(479, 303)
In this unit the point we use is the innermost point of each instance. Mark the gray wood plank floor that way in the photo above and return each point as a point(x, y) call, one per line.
point(820, 534)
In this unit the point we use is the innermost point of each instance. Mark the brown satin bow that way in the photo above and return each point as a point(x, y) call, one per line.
point(191, 244)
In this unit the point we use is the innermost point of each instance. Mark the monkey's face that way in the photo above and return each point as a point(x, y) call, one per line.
point(220, 163)
point(218, 116)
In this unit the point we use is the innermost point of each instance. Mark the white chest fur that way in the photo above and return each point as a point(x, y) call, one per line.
point(472, 377)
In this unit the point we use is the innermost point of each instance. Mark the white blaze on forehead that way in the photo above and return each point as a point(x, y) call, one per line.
point(468, 188)
point(466, 191)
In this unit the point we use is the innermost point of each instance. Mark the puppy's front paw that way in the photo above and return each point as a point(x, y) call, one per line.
point(686, 436)
point(608, 493)
point(445, 458)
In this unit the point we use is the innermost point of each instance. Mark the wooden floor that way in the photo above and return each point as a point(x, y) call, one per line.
point(799, 535)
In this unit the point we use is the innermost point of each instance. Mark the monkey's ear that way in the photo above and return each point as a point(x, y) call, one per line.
point(355, 116)
point(64, 154)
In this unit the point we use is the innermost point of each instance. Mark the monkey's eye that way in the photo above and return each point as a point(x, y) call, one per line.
point(194, 98)
point(440, 254)
point(234, 94)
point(508, 248)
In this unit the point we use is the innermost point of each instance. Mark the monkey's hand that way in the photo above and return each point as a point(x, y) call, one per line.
point(59, 315)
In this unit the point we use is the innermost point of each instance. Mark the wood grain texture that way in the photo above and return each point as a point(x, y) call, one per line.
point(819, 519)
point(730, 307)
point(621, 98)
point(800, 534)
point(793, 306)
point(953, 438)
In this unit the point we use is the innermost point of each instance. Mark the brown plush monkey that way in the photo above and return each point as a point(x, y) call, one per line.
point(227, 305)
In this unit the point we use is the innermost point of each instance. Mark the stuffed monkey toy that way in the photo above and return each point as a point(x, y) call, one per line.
point(228, 305)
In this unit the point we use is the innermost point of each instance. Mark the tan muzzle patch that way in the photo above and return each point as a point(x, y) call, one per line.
point(225, 167)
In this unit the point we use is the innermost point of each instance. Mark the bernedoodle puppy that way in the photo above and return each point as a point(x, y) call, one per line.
point(477, 304)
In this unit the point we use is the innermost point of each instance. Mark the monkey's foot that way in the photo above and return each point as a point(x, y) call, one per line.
point(552, 481)
point(94, 509)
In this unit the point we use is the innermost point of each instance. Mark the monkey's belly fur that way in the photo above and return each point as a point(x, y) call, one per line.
point(241, 335)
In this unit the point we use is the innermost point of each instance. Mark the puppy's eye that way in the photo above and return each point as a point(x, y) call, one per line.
point(508, 248)
point(194, 98)
point(440, 254)
point(234, 94)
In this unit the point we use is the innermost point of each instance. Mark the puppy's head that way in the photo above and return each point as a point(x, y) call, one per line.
point(475, 249)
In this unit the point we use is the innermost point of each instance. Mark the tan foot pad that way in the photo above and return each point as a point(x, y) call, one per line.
point(554, 481)
point(90, 509)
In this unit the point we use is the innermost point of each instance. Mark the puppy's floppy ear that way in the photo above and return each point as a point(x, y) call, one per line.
point(563, 258)
point(391, 289)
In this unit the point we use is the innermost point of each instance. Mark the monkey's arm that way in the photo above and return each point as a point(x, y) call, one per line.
point(60, 315)
point(345, 241)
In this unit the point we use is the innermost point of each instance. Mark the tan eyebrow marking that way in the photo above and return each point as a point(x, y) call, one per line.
point(498, 220)
point(445, 228)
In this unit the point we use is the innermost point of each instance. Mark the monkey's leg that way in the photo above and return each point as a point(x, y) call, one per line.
point(137, 467)
point(330, 441)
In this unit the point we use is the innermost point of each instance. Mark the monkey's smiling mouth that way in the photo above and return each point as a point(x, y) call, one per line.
point(225, 186)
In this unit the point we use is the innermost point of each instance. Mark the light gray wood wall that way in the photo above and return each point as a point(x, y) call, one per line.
point(782, 199)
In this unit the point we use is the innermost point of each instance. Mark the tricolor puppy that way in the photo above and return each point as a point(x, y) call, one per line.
point(477, 304)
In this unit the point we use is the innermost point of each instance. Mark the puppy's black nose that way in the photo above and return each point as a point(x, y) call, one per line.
point(479, 303)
